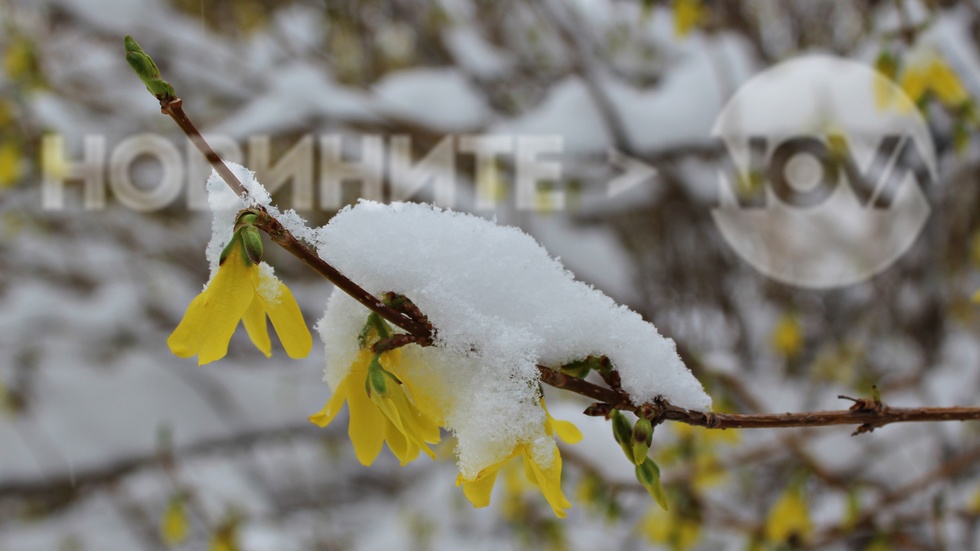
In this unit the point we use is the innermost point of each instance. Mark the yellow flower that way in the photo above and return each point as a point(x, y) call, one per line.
point(974, 505)
point(946, 84)
point(671, 529)
point(225, 537)
point(11, 168)
point(787, 336)
point(923, 74)
point(789, 518)
point(914, 83)
point(19, 60)
point(173, 526)
point(241, 290)
point(688, 14)
point(381, 410)
point(546, 476)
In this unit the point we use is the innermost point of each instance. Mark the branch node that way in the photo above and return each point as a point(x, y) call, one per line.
point(711, 420)
point(598, 409)
point(393, 342)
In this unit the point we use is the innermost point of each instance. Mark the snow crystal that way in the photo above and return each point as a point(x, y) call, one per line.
point(502, 305)
point(225, 205)
point(269, 288)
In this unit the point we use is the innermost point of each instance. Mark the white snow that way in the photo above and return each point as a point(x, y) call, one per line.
point(225, 205)
point(501, 306)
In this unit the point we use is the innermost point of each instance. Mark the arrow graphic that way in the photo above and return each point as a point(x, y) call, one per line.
point(635, 173)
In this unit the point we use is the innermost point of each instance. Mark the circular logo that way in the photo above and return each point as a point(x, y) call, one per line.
point(828, 160)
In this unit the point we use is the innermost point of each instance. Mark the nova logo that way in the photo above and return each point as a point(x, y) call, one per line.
point(826, 186)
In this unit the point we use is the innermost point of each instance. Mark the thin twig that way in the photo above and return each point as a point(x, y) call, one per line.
point(664, 411)
point(175, 108)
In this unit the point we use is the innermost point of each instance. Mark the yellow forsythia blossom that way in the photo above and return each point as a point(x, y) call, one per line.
point(921, 75)
point(377, 418)
point(947, 85)
point(225, 538)
point(787, 336)
point(546, 476)
point(671, 529)
point(974, 505)
point(18, 59)
point(240, 291)
point(173, 526)
point(687, 15)
point(789, 518)
point(11, 168)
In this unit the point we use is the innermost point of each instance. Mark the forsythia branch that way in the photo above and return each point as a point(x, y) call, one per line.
point(867, 414)
point(864, 412)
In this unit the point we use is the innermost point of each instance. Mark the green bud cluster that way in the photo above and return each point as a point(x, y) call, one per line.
point(635, 441)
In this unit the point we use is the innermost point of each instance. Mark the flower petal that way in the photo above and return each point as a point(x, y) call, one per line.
point(566, 431)
point(186, 339)
point(478, 491)
point(212, 316)
point(367, 423)
point(288, 321)
point(404, 450)
point(405, 417)
point(548, 480)
point(329, 411)
point(256, 326)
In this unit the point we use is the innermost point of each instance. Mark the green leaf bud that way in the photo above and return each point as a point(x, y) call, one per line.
point(144, 67)
point(252, 240)
point(376, 380)
point(623, 433)
point(642, 438)
point(648, 474)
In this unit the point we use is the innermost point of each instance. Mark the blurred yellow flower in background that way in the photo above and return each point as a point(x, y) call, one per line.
point(924, 73)
point(789, 518)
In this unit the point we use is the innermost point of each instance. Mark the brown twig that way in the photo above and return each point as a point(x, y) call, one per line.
point(175, 108)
